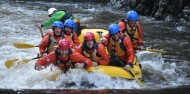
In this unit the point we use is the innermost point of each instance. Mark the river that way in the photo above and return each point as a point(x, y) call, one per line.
point(18, 20)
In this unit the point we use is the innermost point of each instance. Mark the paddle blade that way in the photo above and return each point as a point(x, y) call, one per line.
point(157, 51)
point(23, 45)
point(26, 60)
point(9, 63)
point(53, 77)
point(132, 72)
point(140, 82)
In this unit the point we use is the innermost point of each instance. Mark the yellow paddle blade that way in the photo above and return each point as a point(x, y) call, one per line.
point(157, 51)
point(26, 60)
point(9, 63)
point(133, 73)
point(23, 45)
point(53, 77)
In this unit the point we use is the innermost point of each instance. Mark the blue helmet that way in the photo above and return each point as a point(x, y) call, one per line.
point(132, 15)
point(113, 29)
point(69, 23)
point(58, 24)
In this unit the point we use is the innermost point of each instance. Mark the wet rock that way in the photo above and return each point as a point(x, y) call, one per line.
point(159, 9)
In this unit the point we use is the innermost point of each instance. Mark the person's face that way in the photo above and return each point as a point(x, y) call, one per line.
point(64, 53)
point(68, 30)
point(132, 23)
point(57, 30)
point(90, 43)
point(115, 36)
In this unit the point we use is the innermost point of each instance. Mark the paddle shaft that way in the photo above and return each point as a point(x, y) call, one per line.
point(42, 35)
point(36, 57)
point(10, 63)
point(100, 34)
point(153, 50)
point(132, 74)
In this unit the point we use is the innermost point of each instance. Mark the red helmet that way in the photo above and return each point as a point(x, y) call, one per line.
point(89, 36)
point(63, 44)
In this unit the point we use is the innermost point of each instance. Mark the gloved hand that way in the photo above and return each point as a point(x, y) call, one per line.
point(44, 54)
point(39, 25)
point(79, 65)
point(39, 68)
point(94, 63)
point(102, 40)
point(141, 48)
point(128, 66)
point(75, 47)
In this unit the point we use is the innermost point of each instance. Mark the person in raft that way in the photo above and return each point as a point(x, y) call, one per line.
point(68, 31)
point(94, 51)
point(52, 38)
point(60, 15)
point(132, 28)
point(64, 57)
point(120, 45)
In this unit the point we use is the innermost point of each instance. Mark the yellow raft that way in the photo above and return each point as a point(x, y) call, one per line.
point(111, 70)
point(94, 31)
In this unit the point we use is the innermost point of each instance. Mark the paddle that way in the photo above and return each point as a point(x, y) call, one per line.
point(10, 63)
point(41, 32)
point(26, 46)
point(40, 28)
point(157, 51)
point(130, 71)
point(23, 45)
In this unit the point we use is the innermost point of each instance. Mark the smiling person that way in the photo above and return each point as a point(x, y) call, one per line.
point(92, 50)
point(69, 31)
point(132, 28)
point(64, 57)
point(120, 45)
point(52, 38)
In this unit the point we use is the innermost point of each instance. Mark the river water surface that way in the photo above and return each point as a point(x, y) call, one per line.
point(18, 20)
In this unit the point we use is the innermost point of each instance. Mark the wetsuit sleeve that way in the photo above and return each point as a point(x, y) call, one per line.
point(50, 31)
point(76, 57)
point(43, 44)
point(79, 49)
point(56, 17)
point(129, 48)
point(49, 59)
point(140, 41)
point(122, 26)
point(104, 56)
point(106, 37)
point(75, 39)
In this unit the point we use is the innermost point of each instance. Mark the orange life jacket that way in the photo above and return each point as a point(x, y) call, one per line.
point(118, 46)
point(52, 43)
point(63, 64)
point(94, 56)
point(133, 33)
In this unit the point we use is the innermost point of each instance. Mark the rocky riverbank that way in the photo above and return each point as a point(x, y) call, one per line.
point(159, 9)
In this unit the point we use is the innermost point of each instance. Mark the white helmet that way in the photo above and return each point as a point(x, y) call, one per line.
point(51, 10)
